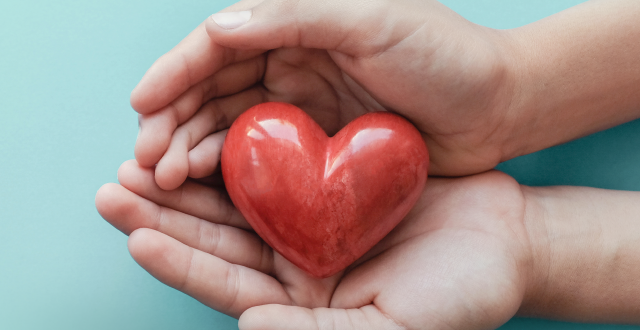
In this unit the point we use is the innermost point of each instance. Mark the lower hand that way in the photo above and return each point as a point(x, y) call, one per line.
point(458, 261)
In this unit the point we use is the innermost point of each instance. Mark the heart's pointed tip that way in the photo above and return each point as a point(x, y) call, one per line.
point(322, 274)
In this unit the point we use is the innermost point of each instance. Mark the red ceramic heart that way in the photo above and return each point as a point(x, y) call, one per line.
point(322, 202)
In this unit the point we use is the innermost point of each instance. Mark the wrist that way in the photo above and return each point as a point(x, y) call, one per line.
point(507, 97)
point(574, 73)
point(536, 275)
point(585, 264)
point(514, 99)
point(490, 106)
point(528, 105)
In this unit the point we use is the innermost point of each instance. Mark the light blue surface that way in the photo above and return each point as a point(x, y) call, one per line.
point(66, 70)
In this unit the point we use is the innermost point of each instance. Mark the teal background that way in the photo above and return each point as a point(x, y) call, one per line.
point(66, 70)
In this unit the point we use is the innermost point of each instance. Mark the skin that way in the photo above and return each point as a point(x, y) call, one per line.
point(475, 250)
point(444, 266)
point(586, 254)
point(479, 96)
point(334, 78)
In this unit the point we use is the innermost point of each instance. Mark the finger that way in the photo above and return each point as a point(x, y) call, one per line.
point(128, 212)
point(204, 158)
point(115, 203)
point(214, 180)
point(156, 128)
point(223, 286)
point(280, 317)
point(191, 198)
point(215, 115)
point(192, 60)
point(356, 28)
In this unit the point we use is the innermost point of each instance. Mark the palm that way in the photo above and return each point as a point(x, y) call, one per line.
point(334, 91)
point(455, 259)
point(311, 80)
point(443, 265)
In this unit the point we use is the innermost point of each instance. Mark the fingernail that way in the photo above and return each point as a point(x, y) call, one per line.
point(231, 20)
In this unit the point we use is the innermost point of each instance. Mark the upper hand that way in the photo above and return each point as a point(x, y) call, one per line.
point(459, 260)
point(336, 60)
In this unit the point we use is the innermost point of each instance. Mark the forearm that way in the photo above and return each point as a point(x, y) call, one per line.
point(586, 252)
point(577, 72)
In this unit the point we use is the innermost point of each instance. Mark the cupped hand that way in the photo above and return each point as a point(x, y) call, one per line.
point(336, 60)
point(459, 260)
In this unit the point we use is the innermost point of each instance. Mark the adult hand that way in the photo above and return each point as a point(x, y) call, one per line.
point(479, 96)
point(336, 60)
point(460, 260)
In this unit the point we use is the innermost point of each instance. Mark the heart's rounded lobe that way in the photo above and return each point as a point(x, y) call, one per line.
point(322, 202)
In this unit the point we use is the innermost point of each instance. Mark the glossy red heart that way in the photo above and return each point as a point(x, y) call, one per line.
point(322, 202)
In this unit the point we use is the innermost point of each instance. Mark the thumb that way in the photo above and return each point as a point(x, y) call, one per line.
point(356, 28)
point(281, 317)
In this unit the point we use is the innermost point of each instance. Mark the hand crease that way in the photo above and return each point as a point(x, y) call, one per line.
point(397, 323)
point(233, 283)
point(185, 281)
point(209, 233)
point(395, 44)
point(266, 261)
point(161, 218)
point(188, 71)
point(209, 90)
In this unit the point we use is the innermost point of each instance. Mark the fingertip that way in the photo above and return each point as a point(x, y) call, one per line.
point(251, 319)
point(236, 21)
point(143, 98)
point(214, 31)
point(146, 245)
point(231, 17)
point(231, 20)
point(136, 99)
point(217, 33)
point(173, 168)
point(257, 318)
point(308, 24)
point(162, 256)
point(149, 247)
point(205, 157)
point(154, 91)
point(274, 316)
point(115, 205)
point(128, 164)
point(104, 199)
point(142, 243)
point(144, 157)
point(149, 151)
point(127, 171)
point(200, 168)
point(171, 172)
point(211, 27)
point(154, 137)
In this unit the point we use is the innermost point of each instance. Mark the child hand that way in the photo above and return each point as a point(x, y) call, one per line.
point(459, 260)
